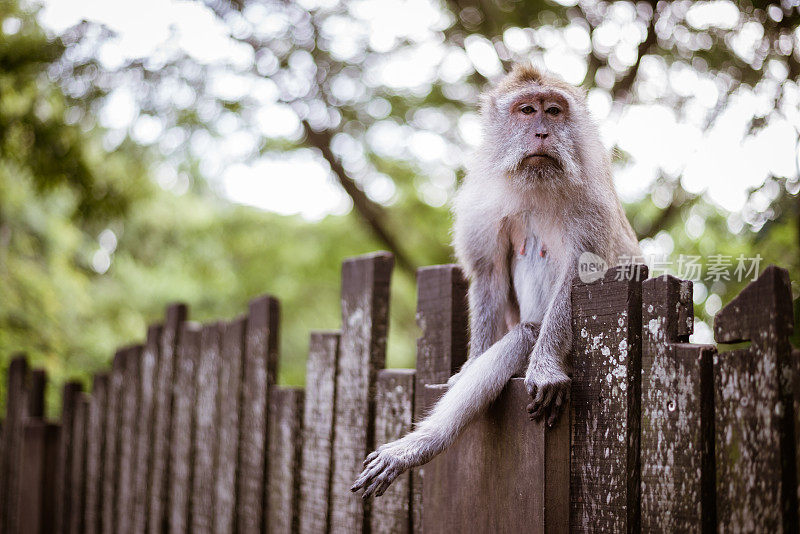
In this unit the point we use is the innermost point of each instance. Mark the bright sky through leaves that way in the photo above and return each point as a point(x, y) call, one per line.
point(720, 161)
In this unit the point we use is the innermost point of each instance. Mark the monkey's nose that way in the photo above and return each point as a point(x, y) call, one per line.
point(541, 135)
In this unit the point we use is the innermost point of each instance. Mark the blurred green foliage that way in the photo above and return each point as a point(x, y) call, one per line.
point(92, 249)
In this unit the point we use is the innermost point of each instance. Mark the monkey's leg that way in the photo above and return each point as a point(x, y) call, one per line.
point(480, 384)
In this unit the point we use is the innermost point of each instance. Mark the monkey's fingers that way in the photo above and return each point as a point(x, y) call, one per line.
point(536, 409)
point(371, 489)
point(386, 483)
point(550, 395)
point(367, 475)
point(543, 395)
point(370, 457)
point(540, 393)
point(381, 482)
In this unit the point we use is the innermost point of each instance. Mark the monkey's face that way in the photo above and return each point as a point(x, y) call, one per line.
point(532, 137)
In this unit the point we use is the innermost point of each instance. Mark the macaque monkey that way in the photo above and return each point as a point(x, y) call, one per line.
point(537, 195)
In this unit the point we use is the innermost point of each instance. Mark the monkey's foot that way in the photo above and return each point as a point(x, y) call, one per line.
point(549, 387)
point(381, 467)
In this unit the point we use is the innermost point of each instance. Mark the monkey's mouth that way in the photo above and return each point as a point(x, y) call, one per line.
point(538, 158)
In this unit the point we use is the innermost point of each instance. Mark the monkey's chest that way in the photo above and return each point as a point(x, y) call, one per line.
point(533, 276)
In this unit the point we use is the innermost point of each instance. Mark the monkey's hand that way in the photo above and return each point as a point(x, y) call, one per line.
point(383, 466)
point(548, 385)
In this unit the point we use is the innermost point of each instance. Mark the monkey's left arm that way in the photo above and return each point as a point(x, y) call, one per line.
point(548, 376)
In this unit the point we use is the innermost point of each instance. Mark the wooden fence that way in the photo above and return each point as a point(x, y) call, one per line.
point(189, 433)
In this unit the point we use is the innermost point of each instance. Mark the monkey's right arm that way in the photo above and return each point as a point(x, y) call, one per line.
point(482, 243)
point(488, 299)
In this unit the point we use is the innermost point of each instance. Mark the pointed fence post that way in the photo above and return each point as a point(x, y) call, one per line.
point(318, 408)
point(443, 316)
point(78, 478)
point(755, 442)
point(129, 406)
point(365, 321)
point(18, 377)
point(260, 369)
point(95, 454)
point(39, 459)
point(285, 450)
point(108, 498)
point(677, 447)
point(394, 411)
point(229, 408)
point(162, 419)
point(606, 395)
point(180, 459)
point(206, 428)
point(63, 482)
point(143, 429)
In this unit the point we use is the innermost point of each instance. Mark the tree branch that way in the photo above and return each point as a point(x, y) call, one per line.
point(622, 89)
point(372, 213)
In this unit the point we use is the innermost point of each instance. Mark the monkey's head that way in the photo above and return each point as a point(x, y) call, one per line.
point(536, 129)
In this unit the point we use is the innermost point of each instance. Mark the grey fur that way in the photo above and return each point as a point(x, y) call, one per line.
point(510, 206)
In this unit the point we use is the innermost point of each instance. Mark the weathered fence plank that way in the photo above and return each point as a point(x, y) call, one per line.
point(606, 394)
point(285, 453)
point(129, 407)
point(63, 481)
point(112, 439)
point(442, 315)
point(795, 359)
point(37, 468)
point(162, 419)
point(143, 431)
point(95, 454)
point(755, 443)
point(394, 411)
point(78, 464)
point(260, 369)
point(229, 403)
point(36, 393)
point(479, 486)
point(16, 411)
point(180, 462)
point(365, 313)
point(205, 433)
point(315, 472)
point(677, 448)
point(33, 500)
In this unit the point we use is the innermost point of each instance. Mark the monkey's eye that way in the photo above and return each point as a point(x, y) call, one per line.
point(527, 110)
point(552, 110)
